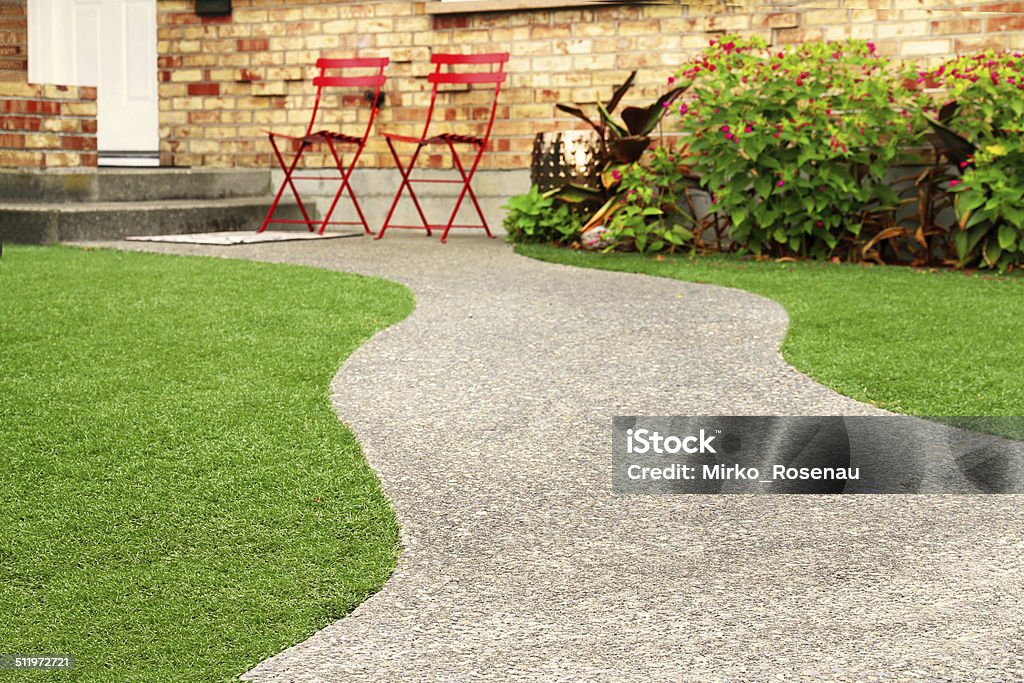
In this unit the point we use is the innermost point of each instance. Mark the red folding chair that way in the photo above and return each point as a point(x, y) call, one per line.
point(493, 77)
point(333, 140)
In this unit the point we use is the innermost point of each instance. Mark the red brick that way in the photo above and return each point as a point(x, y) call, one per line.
point(78, 142)
point(441, 23)
point(1007, 7)
point(200, 89)
point(949, 26)
point(12, 140)
point(87, 92)
point(252, 44)
point(30, 107)
point(89, 126)
point(29, 123)
point(204, 117)
point(971, 44)
point(1008, 23)
point(179, 18)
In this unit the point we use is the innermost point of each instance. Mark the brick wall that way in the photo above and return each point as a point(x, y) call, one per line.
point(225, 79)
point(13, 41)
point(43, 126)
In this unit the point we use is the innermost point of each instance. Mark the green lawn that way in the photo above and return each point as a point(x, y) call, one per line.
point(911, 341)
point(177, 497)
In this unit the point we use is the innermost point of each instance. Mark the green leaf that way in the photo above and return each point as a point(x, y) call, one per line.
point(960, 242)
point(991, 253)
point(1007, 236)
point(887, 197)
point(1014, 215)
point(618, 130)
point(738, 215)
point(975, 218)
point(976, 234)
point(574, 194)
point(763, 185)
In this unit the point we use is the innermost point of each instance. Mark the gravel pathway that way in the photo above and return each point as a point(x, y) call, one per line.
point(487, 415)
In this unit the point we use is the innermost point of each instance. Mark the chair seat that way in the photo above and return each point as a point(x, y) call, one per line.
point(436, 139)
point(320, 136)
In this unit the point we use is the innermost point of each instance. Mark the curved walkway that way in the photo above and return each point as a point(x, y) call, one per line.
point(487, 415)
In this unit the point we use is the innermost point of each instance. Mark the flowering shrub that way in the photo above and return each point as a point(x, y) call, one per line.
point(987, 113)
point(650, 210)
point(794, 144)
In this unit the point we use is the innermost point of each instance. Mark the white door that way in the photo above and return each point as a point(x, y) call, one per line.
point(110, 44)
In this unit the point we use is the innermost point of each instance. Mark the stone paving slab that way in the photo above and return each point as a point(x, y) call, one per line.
point(487, 414)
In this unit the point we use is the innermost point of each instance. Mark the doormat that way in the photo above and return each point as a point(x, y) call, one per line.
point(230, 238)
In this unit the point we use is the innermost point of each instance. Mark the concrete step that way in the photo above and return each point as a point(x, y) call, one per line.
point(31, 223)
point(56, 186)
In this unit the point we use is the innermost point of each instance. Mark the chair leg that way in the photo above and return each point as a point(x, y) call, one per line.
point(405, 184)
point(288, 171)
point(346, 173)
point(466, 188)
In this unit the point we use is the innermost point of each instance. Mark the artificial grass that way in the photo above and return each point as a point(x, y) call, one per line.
point(178, 499)
point(908, 340)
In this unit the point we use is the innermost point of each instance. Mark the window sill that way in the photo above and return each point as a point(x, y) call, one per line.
point(471, 6)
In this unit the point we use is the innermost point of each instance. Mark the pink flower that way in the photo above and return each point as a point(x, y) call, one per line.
point(683, 109)
point(954, 183)
point(963, 164)
point(872, 47)
point(820, 224)
point(671, 80)
point(748, 129)
point(725, 129)
point(776, 133)
point(616, 175)
point(799, 82)
point(728, 136)
point(781, 183)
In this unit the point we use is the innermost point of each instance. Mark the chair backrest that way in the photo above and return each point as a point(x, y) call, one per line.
point(365, 78)
point(484, 69)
